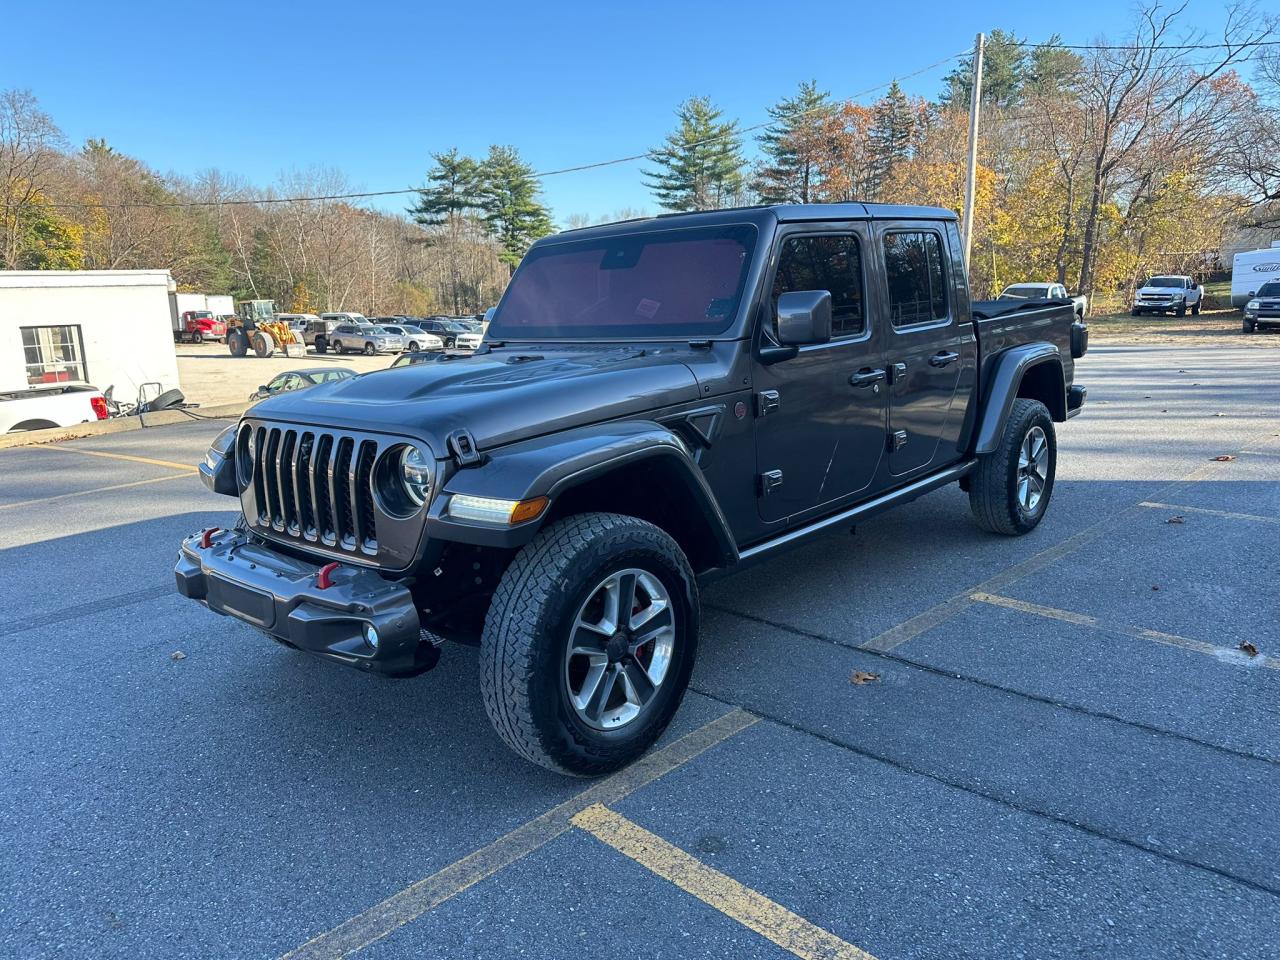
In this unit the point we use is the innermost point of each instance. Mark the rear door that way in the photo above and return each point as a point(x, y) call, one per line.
point(820, 416)
point(930, 349)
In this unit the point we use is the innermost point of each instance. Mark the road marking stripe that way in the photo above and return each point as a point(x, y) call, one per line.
point(173, 465)
point(897, 635)
point(85, 493)
point(413, 901)
point(1213, 513)
point(1085, 620)
point(753, 910)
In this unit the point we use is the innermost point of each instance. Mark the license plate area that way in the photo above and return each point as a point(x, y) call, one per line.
point(247, 604)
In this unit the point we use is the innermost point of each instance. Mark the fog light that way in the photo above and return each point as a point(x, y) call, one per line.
point(371, 635)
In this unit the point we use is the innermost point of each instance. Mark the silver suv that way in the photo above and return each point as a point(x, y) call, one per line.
point(364, 337)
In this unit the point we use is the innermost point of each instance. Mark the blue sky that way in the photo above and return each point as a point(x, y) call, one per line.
point(373, 88)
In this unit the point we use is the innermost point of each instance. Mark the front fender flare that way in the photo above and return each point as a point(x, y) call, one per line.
point(1009, 369)
point(552, 465)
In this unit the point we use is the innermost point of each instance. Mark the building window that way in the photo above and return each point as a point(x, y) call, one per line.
point(54, 355)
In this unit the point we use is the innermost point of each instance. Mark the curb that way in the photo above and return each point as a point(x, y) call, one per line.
point(27, 438)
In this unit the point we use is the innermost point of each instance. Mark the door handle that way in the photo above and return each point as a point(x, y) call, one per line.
point(867, 378)
point(942, 359)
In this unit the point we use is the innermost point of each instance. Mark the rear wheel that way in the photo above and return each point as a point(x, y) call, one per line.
point(322, 344)
point(238, 343)
point(589, 643)
point(1195, 309)
point(1009, 489)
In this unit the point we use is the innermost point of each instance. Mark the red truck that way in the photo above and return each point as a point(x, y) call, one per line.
point(196, 326)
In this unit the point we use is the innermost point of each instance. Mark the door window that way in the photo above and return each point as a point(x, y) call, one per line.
point(916, 277)
point(827, 262)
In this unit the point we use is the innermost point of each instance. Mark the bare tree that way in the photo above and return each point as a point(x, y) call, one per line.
point(29, 145)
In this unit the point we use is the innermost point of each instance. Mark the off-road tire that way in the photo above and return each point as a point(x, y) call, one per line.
point(238, 343)
point(263, 346)
point(993, 488)
point(522, 676)
point(322, 344)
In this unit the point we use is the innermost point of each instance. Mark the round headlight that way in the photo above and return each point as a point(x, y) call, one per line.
point(415, 474)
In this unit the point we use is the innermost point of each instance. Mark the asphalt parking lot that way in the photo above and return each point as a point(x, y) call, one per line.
point(917, 741)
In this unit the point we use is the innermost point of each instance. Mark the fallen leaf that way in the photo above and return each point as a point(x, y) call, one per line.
point(1248, 648)
point(861, 676)
point(177, 655)
point(1178, 519)
point(1222, 459)
point(1155, 586)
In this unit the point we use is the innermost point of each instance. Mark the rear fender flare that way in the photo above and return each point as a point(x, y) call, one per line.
point(1009, 370)
point(554, 465)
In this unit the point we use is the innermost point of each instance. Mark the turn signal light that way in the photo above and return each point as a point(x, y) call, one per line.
point(99, 405)
point(505, 513)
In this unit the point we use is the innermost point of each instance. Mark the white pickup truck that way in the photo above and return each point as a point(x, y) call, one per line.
point(1165, 294)
point(1044, 291)
point(44, 408)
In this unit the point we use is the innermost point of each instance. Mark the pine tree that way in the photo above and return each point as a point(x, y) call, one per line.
point(892, 128)
point(453, 195)
point(700, 167)
point(1004, 70)
point(792, 146)
point(508, 195)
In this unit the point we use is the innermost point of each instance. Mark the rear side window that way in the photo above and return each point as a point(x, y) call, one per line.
point(831, 263)
point(916, 277)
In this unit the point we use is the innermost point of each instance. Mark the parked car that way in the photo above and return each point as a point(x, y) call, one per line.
point(298, 321)
point(415, 338)
point(657, 401)
point(408, 359)
point(1165, 294)
point(1264, 309)
point(43, 408)
point(300, 380)
point(318, 334)
point(345, 317)
point(446, 328)
point(1045, 291)
point(365, 338)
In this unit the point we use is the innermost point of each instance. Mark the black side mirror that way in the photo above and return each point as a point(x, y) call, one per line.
point(262, 388)
point(804, 317)
point(1253, 293)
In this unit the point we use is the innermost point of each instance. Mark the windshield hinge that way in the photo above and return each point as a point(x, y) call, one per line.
point(463, 446)
point(700, 344)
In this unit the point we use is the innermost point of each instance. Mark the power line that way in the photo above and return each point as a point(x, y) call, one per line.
point(1133, 47)
point(647, 155)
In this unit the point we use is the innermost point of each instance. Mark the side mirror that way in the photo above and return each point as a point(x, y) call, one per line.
point(262, 388)
point(804, 317)
point(1253, 293)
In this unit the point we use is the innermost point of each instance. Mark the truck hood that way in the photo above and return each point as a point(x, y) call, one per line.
point(1175, 291)
point(506, 395)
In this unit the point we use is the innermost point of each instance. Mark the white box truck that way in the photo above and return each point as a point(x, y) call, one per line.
point(1250, 269)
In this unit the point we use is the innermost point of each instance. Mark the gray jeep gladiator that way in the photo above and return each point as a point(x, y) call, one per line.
point(656, 402)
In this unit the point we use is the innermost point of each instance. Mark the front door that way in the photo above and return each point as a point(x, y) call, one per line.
point(820, 416)
point(930, 350)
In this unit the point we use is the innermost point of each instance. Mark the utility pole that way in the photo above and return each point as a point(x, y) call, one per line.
point(971, 181)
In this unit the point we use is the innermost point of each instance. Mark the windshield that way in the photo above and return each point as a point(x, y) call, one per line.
point(376, 330)
point(1269, 290)
point(672, 283)
point(1165, 282)
point(1025, 291)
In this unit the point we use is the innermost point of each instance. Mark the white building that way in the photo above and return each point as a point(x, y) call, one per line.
point(101, 327)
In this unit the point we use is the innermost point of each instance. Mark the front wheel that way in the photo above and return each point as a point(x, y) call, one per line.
point(338, 347)
point(413, 346)
point(1181, 309)
point(1249, 326)
point(1135, 312)
point(370, 349)
point(197, 337)
point(1009, 489)
point(589, 643)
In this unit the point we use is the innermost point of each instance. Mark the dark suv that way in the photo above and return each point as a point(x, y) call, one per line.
point(656, 402)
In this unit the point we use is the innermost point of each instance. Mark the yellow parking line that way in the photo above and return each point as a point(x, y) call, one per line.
point(115, 456)
point(1213, 513)
point(1141, 633)
point(753, 910)
point(413, 901)
point(85, 493)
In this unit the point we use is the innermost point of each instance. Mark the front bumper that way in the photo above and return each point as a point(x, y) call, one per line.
point(238, 576)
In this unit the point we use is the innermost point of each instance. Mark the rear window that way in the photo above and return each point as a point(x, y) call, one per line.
point(671, 283)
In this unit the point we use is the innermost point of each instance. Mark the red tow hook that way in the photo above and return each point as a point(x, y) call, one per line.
point(324, 579)
point(206, 538)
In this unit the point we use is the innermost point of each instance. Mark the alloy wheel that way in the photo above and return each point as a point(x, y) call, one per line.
point(619, 649)
point(1033, 465)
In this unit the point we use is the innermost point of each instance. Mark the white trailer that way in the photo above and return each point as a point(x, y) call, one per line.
point(103, 328)
point(1250, 269)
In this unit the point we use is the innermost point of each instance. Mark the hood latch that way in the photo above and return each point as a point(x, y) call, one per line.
point(463, 446)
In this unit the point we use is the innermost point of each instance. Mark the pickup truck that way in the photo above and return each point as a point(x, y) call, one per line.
point(44, 408)
point(656, 403)
point(1045, 291)
point(1168, 294)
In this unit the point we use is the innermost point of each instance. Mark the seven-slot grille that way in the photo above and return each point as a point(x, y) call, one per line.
point(315, 485)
